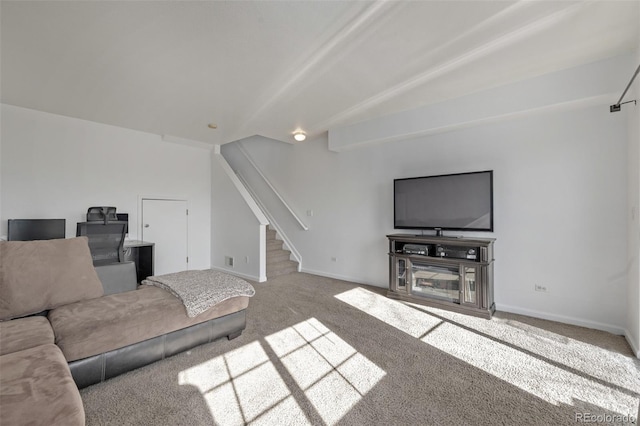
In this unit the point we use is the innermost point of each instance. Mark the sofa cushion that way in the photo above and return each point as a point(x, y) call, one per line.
point(40, 275)
point(37, 389)
point(111, 322)
point(24, 333)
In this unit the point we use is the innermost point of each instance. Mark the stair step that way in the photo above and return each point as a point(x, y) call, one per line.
point(277, 255)
point(282, 264)
point(282, 267)
point(279, 273)
point(274, 245)
point(278, 259)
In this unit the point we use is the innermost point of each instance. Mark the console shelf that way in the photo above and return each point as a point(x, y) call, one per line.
point(444, 272)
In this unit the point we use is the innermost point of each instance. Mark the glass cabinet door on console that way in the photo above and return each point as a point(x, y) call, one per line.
point(400, 274)
point(435, 281)
point(469, 288)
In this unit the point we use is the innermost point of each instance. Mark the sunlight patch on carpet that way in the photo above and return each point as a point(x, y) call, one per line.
point(537, 376)
point(332, 374)
point(604, 364)
point(504, 359)
point(397, 315)
point(242, 386)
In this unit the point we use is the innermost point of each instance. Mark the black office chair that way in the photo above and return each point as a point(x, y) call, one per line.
point(106, 240)
point(101, 214)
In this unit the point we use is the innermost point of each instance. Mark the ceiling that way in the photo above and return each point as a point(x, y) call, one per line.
point(270, 67)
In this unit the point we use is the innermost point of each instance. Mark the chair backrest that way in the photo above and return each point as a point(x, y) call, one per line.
point(106, 240)
point(101, 214)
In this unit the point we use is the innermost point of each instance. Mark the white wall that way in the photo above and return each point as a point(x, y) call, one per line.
point(236, 232)
point(57, 167)
point(633, 296)
point(560, 193)
point(633, 299)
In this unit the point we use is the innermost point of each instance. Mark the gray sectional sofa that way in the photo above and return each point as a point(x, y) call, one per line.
point(65, 325)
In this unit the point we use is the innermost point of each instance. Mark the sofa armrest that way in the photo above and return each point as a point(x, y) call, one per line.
point(117, 277)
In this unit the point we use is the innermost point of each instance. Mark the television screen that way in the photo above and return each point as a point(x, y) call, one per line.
point(461, 201)
point(35, 229)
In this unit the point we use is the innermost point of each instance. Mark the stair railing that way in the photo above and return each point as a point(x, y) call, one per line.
point(257, 211)
point(275, 191)
point(272, 222)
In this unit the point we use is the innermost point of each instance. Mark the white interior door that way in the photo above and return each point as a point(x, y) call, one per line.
point(164, 222)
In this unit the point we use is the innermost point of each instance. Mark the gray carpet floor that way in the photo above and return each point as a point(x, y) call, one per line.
point(327, 352)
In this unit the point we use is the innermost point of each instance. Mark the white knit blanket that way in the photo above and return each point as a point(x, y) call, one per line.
point(200, 290)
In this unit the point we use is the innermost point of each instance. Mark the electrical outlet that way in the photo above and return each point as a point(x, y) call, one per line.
point(246, 259)
point(541, 288)
point(228, 260)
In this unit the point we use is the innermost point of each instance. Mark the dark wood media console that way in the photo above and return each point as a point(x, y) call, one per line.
point(444, 272)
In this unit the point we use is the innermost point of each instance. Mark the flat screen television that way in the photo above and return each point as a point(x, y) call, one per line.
point(462, 202)
point(35, 229)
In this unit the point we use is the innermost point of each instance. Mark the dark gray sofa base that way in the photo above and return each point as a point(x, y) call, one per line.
point(95, 369)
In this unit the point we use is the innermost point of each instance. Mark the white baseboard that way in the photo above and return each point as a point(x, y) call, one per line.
point(632, 343)
point(240, 274)
point(562, 318)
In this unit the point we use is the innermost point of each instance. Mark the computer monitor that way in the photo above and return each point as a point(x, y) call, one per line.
point(124, 217)
point(35, 229)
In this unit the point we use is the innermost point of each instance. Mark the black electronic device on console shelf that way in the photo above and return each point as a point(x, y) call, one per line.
point(441, 250)
point(456, 252)
point(420, 249)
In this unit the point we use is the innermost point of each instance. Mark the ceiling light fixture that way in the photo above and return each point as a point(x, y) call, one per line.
point(299, 135)
point(212, 126)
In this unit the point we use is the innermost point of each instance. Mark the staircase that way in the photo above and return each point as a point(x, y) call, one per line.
point(278, 262)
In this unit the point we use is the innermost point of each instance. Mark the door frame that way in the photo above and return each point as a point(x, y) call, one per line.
point(140, 225)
